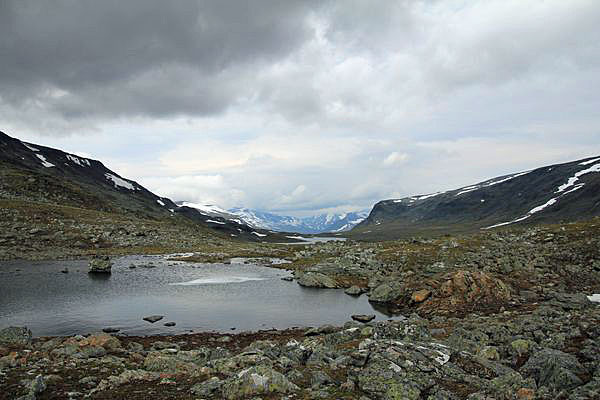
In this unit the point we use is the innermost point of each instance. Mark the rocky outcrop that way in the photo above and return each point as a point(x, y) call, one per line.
point(255, 381)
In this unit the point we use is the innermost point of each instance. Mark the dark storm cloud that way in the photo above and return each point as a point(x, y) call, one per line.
point(148, 57)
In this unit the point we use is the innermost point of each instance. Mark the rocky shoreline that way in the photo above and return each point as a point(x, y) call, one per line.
point(549, 352)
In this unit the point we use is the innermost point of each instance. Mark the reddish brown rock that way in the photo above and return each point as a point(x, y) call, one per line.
point(525, 394)
point(420, 295)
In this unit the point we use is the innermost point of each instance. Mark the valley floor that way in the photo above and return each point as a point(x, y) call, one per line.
point(494, 315)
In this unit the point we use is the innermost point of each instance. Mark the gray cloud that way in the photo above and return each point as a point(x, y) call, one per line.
point(140, 57)
point(298, 106)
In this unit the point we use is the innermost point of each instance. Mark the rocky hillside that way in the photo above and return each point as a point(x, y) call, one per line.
point(561, 192)
point(34, 177)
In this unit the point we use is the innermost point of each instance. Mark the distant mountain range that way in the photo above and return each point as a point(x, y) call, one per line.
point(554, 193)
point(282, 223)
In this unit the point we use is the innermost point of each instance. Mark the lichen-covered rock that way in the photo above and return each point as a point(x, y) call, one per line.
point(167, 363)
point(101, 265)
point(386, 292)
point(108, 342)
point(14, 335)
point(256, 381)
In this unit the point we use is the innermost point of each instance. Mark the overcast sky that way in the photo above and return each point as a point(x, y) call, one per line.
point(300, 107)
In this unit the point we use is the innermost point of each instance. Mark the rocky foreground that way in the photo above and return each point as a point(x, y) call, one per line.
point(498, 315)
point(550, 352)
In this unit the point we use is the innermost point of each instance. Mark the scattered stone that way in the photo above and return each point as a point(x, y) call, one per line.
point(169, 324)
point(287, 278)
point(110, 330)
point(420, 295)
point(153, 318)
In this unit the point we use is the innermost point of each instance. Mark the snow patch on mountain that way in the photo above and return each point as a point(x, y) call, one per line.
point(572, 180)
point(82, 162)
point(119, 182)
point(45, 163)
point(30, 147)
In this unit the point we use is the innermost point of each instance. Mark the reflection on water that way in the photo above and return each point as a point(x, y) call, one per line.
point(197, 297)
point(99, 277)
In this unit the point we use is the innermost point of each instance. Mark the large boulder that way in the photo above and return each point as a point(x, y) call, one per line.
point(257, 381)
point(465, 291)
point(554, 368)
point(100, 265)
point(14, 335)
point(316, 279)
point(386, 292)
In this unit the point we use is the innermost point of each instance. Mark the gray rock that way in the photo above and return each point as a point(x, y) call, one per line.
point(354, 291)
point(153, 318)
point(363, 318)
point(257, 380)
point(385, 293)
point(38, 385)
point(15, 336)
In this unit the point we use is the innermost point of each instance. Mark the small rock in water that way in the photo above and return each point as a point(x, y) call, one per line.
point(110, 330)
point(100, 265)
point(353, 291)
point(65, 270)
point(287, 278)
point(153, 318)
point(363, 318)
point(170, 324)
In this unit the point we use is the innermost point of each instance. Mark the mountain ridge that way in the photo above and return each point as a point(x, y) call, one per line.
point(39, 173)
point(559, 192)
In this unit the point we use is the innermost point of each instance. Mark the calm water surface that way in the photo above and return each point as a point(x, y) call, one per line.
point(198, 297)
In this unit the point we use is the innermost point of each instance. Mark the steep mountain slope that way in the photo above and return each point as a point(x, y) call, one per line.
point(34, 173)
point(282, 223)
point(562, 192)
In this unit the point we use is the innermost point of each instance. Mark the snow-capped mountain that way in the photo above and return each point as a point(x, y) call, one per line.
point(555, 193)
point(283, 223)
point(313, 224)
